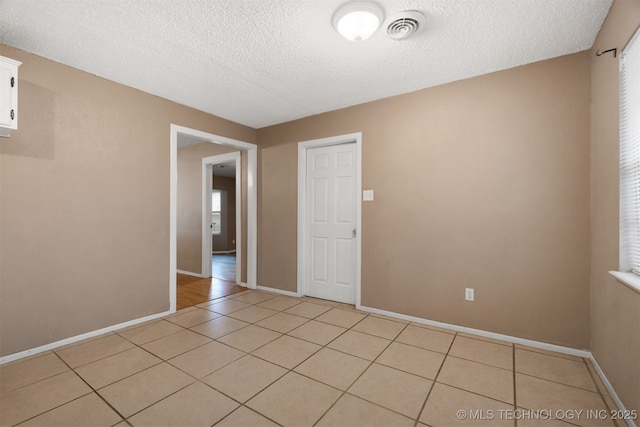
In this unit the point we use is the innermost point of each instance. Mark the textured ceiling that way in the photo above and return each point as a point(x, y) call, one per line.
point(262, 62)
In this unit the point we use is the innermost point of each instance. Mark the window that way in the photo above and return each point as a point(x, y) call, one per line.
point(216, 211)
point(630, 164)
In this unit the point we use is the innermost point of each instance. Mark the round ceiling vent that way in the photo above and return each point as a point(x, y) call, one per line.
point(405, 24)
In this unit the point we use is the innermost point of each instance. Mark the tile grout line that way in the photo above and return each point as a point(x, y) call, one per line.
point(604, 400)
point(474, 392)
point(96, 391)
point(160, 400)
point(143, 370)
point(147, 325)
point(465, 390)
point(140, 346)
point(242, 405)
point(196, 380)
point(483, 339)
point(100, 358)
point(36, 381)
point(344, 392)
point(549, 353)
point(394, 340)
point(292, 369)
point(477, 362)
point(559, 383)
point(565, 385)
point(435, 379)
point(93, 390)
point(282, 334)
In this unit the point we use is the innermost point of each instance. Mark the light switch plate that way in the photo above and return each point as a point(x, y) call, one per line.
point(367, 195)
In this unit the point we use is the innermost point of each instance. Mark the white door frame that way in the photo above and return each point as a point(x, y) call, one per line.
point(302, 204)
point(207, 181)
point(252, 214)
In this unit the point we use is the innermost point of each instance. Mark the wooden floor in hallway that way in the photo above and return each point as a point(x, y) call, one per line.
point(195, 290)
point(223, 266)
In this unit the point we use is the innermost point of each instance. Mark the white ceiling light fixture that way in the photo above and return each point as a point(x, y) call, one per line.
point(357, 21)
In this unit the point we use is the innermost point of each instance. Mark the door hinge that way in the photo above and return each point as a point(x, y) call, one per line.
point(353, 233)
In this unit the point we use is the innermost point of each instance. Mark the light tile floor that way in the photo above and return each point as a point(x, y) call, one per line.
point(259, 359)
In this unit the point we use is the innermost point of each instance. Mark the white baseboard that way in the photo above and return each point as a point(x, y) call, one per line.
point(486, 334)
point(232, 251)
point(189, 273)
point(278, 291)
point(609, 387)
point(71, 340)
point(508, 338)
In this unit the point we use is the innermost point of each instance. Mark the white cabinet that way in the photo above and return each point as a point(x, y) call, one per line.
point(8, 95)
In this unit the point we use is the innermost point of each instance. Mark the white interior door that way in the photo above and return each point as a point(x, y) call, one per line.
point(331, 223)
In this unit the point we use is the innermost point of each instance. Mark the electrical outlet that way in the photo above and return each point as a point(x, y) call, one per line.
point(469, 294)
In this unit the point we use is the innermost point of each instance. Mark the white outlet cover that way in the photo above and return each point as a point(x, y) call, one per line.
point(469, 294)
point(367, 195)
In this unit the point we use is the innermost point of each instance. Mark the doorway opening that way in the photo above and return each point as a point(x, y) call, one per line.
point(222, 207)
point(223, 226)
point(181, 133)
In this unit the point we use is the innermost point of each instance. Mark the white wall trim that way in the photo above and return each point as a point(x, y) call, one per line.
point(631, 280)
point(610, 390)
point(303, 146)
point(508, 338)
point(81, 337)
point(207, 173)
point(278, 291)
point(480, 332)
point(189, 273)
point(252, 216)
point(173, 215)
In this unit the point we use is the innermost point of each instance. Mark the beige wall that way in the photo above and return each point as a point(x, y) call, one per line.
point(189, 218)
point(84, 203)
point(615, 309)
point(482, 183)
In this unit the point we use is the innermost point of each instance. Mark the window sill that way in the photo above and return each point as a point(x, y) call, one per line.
point(629, 279)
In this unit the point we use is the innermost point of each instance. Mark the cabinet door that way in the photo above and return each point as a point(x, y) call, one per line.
point(7, 96)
